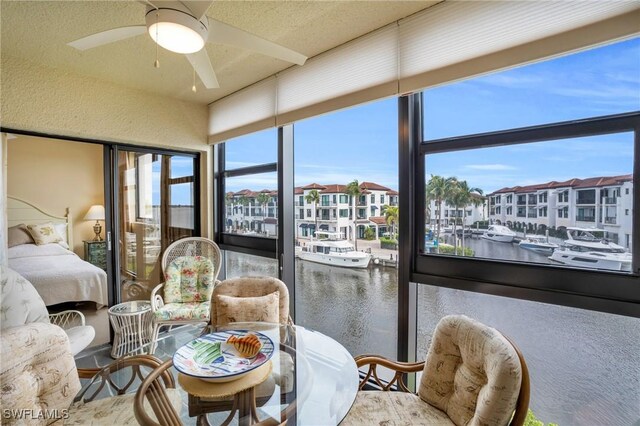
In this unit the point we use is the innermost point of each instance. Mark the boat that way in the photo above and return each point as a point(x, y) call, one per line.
point(499, 233)
point(586, 247)
point(331, 249)
point(538, 243)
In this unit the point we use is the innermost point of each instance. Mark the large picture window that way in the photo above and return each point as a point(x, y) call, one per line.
point(548, 202)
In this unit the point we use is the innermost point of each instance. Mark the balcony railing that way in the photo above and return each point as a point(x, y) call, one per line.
point(585, 218)
point(521, 215)
point(532, 215)
point(522, 202)
point(585, 200)
point(609, 200)
point(610, 220)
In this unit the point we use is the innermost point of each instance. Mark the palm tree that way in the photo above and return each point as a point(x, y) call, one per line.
point(391, 217)
point(244, 202)
point(462, 196)
point(313, 197)
point(353, 189)
point(438, 189)
point(263, 199)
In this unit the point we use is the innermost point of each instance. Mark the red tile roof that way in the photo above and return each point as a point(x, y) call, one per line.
point(378, 220)
point(373, 186)
point(298, 190)
point(571, 183)
point(313, 186)
point(392, 192)
point(334, 189)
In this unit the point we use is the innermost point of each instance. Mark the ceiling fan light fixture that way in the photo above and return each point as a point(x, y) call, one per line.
point(176, 31)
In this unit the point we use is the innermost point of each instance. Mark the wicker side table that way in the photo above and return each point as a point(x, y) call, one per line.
point(132, 326)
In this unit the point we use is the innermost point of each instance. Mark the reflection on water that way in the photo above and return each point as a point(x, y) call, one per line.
point(584, 365)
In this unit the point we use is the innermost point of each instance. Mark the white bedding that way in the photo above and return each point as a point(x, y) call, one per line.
point(59, 275)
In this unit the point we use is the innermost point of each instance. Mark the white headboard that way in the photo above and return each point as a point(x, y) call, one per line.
point(20, 211)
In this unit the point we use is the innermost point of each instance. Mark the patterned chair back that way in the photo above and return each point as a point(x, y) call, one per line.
point(189, 279)
point(472, 372)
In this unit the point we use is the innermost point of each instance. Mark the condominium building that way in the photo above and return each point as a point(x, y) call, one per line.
point(473, 212)
point(251, 212)
point(256, 212)
point(334, 211)
point(604, 202)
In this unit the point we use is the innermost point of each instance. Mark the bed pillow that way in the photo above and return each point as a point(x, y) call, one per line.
point(61, 229)
point(230, 309)
point(18, 235)
point(44, 233)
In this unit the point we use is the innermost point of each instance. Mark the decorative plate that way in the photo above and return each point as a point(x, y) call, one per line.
point(200, 357)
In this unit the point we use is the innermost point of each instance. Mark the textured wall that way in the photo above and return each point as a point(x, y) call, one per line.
point(42, 171)
point(54, 101)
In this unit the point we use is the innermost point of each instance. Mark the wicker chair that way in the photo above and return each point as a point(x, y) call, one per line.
point(73, 323)
point(472, 375)
point(191, 266)
point(121, 379)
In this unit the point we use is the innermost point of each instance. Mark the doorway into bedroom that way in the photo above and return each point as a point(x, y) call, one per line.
point(155, 203)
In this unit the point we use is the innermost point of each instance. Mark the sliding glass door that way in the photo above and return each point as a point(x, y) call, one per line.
point(155, 203)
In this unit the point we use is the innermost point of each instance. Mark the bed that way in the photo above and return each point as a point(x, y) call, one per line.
point(57, 273)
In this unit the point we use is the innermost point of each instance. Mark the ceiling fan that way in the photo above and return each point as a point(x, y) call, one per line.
point(183, 27)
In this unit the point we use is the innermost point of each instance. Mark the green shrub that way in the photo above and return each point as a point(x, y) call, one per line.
point(532, 420)
point(369, 233)
point(388, 243)
point(448, 249)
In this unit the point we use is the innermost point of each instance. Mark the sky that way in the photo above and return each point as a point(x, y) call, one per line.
point(361, 142)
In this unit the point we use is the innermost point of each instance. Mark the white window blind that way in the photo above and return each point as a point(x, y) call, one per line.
point(367, 65)
point(249, 110)
point(449, 41)
point(455, 32)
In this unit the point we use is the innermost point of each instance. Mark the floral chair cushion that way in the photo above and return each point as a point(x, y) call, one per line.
point(183, 311)
point(189, 279)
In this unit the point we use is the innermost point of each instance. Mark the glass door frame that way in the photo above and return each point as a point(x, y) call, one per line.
point(112, 205)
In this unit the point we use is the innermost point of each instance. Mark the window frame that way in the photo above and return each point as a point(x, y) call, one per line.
point(561, 285)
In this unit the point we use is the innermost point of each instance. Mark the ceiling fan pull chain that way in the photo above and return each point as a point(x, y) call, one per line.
point(157, 62)
point(193, 88)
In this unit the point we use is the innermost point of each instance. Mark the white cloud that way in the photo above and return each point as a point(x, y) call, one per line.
point(493, 167)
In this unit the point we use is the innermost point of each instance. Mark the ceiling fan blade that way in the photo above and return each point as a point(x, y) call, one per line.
point(198, 7)
point(202, 64)
point(219, 32)
point(106, 37)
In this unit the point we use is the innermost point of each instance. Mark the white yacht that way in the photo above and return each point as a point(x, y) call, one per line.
point(499, 233)
point(538, 243)
point(586, 247)
point(331, 249)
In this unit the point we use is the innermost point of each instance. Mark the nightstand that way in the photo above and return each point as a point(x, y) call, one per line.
point(95, 252)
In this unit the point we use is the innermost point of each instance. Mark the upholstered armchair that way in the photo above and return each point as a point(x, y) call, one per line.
point(191, 266)
point(21, 304)
point(261, 299)
point(38, 376)
point(472, 375)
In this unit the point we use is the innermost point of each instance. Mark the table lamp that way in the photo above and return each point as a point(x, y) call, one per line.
point(96, 213)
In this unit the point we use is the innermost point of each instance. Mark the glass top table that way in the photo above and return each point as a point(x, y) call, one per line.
point(313, 380)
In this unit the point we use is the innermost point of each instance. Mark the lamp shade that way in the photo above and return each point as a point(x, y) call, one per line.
point(95, 213)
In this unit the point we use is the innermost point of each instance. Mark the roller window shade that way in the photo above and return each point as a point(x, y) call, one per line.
point(450, 41)
point(456, 32)
point(367, 63)
point(247, 111)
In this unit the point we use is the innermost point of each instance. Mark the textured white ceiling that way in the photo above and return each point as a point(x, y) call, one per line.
point(38, 31)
